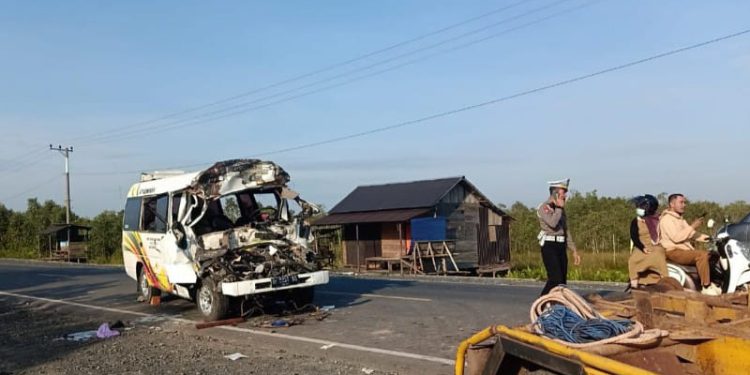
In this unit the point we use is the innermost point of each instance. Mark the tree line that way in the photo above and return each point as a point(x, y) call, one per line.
point(20, 232)
point(601, 224)
point(598, 224)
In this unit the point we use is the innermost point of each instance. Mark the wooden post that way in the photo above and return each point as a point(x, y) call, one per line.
point(68, 243)
point(400, 242)
point(356, 236)
point(432, 255)
point(419, 256)
point(448, 251)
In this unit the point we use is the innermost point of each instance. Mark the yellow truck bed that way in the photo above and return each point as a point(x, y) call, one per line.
point(707, 335)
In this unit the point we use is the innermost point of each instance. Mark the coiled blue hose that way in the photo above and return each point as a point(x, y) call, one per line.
point(562, 323)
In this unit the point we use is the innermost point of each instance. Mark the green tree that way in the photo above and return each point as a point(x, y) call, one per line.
point(5, 215)
point(105, 242)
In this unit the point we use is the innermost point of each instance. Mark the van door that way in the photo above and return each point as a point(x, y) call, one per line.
point(131, 224)
point(177, 260)
point(153, 230)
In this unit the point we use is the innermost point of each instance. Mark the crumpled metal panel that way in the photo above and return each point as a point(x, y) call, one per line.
point(229, 176)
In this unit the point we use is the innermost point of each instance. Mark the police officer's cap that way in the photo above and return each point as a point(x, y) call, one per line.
point(560, 184)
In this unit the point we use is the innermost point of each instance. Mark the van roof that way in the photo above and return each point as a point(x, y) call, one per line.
point(224, 177)
point(158, 175)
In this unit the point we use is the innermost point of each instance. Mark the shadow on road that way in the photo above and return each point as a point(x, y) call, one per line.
point(40, 324)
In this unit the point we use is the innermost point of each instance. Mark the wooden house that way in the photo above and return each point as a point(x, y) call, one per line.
point(389, 220)
point(67, 242)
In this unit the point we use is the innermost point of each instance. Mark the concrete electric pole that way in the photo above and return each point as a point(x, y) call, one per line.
point(66, 153)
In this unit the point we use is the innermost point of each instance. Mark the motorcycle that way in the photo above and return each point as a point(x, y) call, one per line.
point(729, 261)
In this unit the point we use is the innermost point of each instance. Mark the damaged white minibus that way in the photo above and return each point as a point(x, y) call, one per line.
point(220, 236)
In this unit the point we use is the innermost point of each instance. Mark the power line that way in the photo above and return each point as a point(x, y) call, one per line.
point(238, 108)
point(27, 163)
point(8, 164)
point(128, 133)
point(509, 97)
point(310, 73)
point(32, 188)
point(478, 105)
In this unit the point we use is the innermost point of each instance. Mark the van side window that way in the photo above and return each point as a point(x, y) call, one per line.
point(155, 211)
point(132, 215)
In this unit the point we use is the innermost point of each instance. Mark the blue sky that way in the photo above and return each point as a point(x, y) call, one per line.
point(72, 71)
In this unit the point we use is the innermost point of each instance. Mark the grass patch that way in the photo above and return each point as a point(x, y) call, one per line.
point(594, 266)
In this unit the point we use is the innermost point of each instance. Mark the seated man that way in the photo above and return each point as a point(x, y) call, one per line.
point(676, 235)
point(647, 264)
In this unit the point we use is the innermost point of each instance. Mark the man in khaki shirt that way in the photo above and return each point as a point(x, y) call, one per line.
point(676, 236)
point(554, 236)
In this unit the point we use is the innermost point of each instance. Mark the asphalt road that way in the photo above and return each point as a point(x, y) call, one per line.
point(405, 326)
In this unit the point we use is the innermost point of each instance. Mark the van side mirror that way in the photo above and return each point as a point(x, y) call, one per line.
point(178, 230)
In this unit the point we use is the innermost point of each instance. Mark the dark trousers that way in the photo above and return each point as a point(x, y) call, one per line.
point(555, 260)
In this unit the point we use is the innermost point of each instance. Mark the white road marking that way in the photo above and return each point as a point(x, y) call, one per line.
point(374, 296)
point(347, 346)
point(250, 331)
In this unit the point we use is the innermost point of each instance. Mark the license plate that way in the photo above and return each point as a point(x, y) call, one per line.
point(284, 280)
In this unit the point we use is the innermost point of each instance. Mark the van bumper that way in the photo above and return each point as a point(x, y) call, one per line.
point(243, 288)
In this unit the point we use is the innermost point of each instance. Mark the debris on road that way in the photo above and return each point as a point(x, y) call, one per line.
point(279, 323)
point(285, 316)
point(105, 332)
point(153, 319)
point(367, 371)
point(80, 336)
point(216, 323)
point(235, 356)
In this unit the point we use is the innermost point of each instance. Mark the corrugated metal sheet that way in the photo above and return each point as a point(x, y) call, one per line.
point(54, 228)
point(396, 196)
point(389, 216)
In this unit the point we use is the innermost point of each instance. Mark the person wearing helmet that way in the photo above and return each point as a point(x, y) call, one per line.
point(647, 264)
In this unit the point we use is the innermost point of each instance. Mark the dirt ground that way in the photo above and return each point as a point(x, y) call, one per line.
point(33, 341)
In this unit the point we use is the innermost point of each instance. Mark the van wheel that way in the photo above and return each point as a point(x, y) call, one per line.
point(211, 302)
point(145, 291)
point(303, 296)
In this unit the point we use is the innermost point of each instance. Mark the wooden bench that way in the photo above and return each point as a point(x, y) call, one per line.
point(494, 269)
point(378, 261)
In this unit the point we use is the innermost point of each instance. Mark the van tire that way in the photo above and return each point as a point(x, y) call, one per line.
point(212, 304)
point(145, 291)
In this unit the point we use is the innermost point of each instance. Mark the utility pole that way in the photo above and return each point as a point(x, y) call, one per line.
point(66, 153)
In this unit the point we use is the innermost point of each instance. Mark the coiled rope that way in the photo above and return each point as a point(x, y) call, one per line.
point(566, 317)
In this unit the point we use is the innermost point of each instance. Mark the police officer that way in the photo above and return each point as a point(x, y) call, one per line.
point(554, 236)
